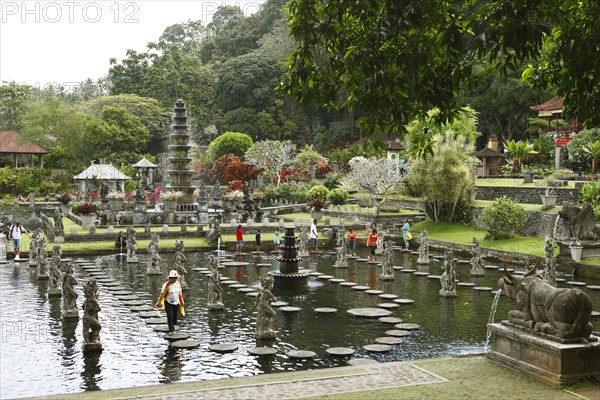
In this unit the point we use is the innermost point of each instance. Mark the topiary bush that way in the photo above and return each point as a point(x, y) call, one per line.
point(338, 196)
point(503, 218)
point(317, 191)
point(229, 143)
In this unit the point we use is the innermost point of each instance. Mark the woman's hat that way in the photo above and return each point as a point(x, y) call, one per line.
point(173, 274)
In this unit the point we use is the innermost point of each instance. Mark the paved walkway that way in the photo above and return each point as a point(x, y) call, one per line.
point(472, 377)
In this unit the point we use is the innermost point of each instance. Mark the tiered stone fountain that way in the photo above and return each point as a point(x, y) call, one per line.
point(179, 172)
point(289, 274)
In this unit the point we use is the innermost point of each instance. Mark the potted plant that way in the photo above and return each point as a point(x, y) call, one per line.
point(316, 205)
point(65, 198)
point(234, 197)
point(115, 200)
point(170, 199)
point(576, 249)
point(549, 196)
point(86, 212)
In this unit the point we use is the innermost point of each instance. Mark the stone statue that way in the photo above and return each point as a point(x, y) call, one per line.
point(131, 246)
point(33, 248)
point(120, 242)
point(560, 313)
point(139, 193)
point(549, 274)
point(448, 278)
point(69, 301)
point(387, 264)
point(341, 251)
point(103, 190)
point(214, 232)
point(178, 263)
point(303, 242)
point(476, 266)
point(42, 259)
point(265, 315)
point(59, 228)
point(379, 249)
point(91, 324)
point(215, 291)
point(423, 248)
point(54, 288)
point(154, 258)
point(580, 221)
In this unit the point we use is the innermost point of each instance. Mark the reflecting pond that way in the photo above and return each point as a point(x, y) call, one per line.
point(41, 352)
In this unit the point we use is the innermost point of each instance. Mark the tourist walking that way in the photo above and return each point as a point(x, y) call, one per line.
point(313, 244)
point(276, 240)
point(351, 243)
point(257, 241)
point(406, 235)
point(171, 299)
point(372, 244)
point(239, 240)
point(14, 233)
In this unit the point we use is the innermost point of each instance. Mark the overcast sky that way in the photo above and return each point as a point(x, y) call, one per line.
point(65, 42)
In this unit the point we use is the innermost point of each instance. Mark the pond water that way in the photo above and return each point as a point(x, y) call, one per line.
point(42, 355)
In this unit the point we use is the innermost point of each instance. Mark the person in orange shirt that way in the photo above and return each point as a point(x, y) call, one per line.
point(372, 243)
point(239, 240)
point(351, 243)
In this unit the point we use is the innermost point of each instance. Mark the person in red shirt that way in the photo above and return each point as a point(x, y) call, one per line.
point(372, 243)
point(351, 243)
point(239, 239)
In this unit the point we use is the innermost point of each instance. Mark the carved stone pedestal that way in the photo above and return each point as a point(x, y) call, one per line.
point(544, 359)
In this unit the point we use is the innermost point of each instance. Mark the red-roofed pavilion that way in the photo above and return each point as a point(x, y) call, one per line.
point(19, 150)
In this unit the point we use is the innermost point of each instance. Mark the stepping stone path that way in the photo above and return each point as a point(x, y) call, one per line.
point(290, 309)
point(465, 284)
point(143, 309)
point(407, 326)
point(138, 302)
point(301, 354)
point(234, 264)
point(163, 328)
point(482, 288)
point(147, 314)
point(418, 273)
point(115, 289)
point(337, 280)
point(340, 351)
point(156, 321)
point(175, 336)
point(463, 262)
point(185, 344)
point(388, 296)
point(559, 280)
point(437, 277)
point(252, 294)
point(128, 297)
point(408, 270)
point(404, 301)
point(325, 277)
point(377, 348)
point(593, 287)
point(246, 289)
point(262, 351)
point(359, 287)
point(491, 267)
point(223, 347)
point(595, 314)
point(369, 312)
point(374, 291)
point(349, 284)
point(325, 310)
point(279, 304)
point(388, 340)
point(397, 267)
point(388, 306)
point(238, 286)
point(576, 283)
point(362, 259)
point(264, 265)
point(229, 282)
point(314, 273)
point(122, 293)
point(390, 320)
point(398, 333)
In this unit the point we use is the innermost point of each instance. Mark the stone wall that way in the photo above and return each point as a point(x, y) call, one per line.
point(538, 223)
point(528, 195)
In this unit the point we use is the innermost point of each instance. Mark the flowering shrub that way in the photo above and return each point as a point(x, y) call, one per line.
point(203, 171)
point(294, 174)
point(317, 203)
point(65, 198)
point(234, 195)
point(93, 193)
point(171, 195)
point(236, 184)
point(230, 167)
point(257, 194)
point(129, 197)
point(322, 169)
point(85, 208)
point(114, 195)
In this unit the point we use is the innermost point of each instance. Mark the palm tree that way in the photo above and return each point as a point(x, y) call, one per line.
point(518, 151)
point(593, 150)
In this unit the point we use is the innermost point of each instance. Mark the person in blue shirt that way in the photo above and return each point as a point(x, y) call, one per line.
point(405, 232)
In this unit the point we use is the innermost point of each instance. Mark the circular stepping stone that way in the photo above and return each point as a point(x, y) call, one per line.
point(234, 264)
point(148, 314)
point(262, 351)
point(111, 284)
point(466, 284)
point(252, 294)
point(463, 262)
point(419, 273)
point(349, 284)
point(398, 333)
point(116, 289)
point(374, 292)
point(201, 269)
point(279, 304)
point(143, 309)
point(353, 257)
point(388, 296)
point(314, 273)
point(223, 347)
point(290, 309)
point(593, 287)
point(397, 267)
point(359, 287)
point(436, 277)
point(238, 286)
point(408, 270)
point(246, 290)
point(390, 320)
point(163, 328)
point(369, 312)
point(491, 267)
point(138, 302)
point(377, 348)
point(404, 301)
point(595, 314)
point(128, 297)
point(175, 336)
point(406, 326)
point(185, 344)
point(301, 354)
point(261, 265)
point(122, 293)
point(229, 282)
point(337, 280)
point(576, 283)
point(389, 340)
point(340, 351)
point(362, 259)
point(224, 278)
point(325, 310)
point(482, 288)
point(388, 306)
point(560, 280)
point(325, 277)
point(156, 321)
